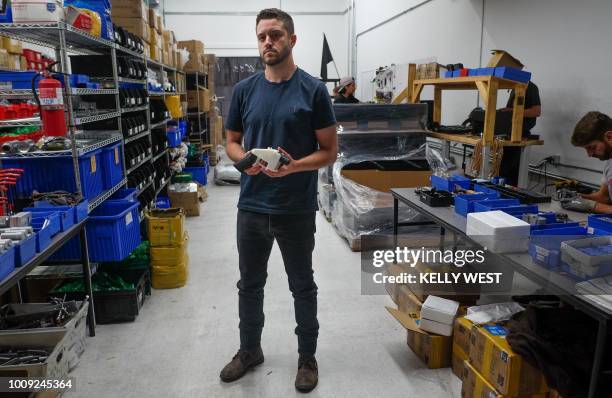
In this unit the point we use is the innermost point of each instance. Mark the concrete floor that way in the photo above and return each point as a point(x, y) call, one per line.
point(183, 337)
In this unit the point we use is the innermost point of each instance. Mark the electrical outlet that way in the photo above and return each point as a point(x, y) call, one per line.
point(556, 160)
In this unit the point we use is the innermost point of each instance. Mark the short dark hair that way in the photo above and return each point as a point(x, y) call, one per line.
point(591, 127)
point(275, 13)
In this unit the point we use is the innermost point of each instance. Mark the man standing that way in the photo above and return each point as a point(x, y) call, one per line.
point(346, 91)
point(285, 108)
point(594, 133)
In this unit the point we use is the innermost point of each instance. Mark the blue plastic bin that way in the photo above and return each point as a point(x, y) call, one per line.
point(124, 194)
point(25, 250)
point(448, 184)
point(509, 73)
point(174, 137)
point(494, 204)
point(464, 203)
point(198, 174)
point(18, 80)
point(484, 189)
point(79, 211)
point(51, 217)
point(45, 233)
point(456, 73)
point(448, 73)
point(52, 174)
point(113, 231)
point(7, 263)
point(602, 222)
point(65, 213)
point(545, 245)
point(516, 211)
point(112, 165)
point(162, 202)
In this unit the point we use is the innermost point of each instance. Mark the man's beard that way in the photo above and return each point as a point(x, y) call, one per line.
point(282, 56)
point(607, 155)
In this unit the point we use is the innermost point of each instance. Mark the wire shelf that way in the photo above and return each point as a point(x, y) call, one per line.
point(159, 155)
point(27, 93)
point(129, 52)
point(29, 121)
point(145, 160)
point(137, 109)
point(147, 186)
point(128, 80)
point(96, 117)
point(93, 91)
point(102, 197)
point(48, 35)
point(160, 124)
point(161, 187)
point(103, 138)
point(137, 136)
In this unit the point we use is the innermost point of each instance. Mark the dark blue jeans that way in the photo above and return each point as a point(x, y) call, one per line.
point(295, 236)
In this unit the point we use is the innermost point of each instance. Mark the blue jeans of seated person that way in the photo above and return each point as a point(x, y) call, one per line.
point(294, 233)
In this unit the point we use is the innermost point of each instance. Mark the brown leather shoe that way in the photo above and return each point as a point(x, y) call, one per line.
point(240, 363)
point(307, 375)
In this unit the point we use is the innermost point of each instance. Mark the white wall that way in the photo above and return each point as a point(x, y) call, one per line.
point(225, 34)
point(564, 44)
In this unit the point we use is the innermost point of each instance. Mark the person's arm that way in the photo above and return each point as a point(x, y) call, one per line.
point(534, 111)
point(602, 208)
point(601, 196)
point(236, 152)
point(326, 154)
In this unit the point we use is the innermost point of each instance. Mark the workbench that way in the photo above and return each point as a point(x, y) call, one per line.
point(56, 243)
point(550, 281)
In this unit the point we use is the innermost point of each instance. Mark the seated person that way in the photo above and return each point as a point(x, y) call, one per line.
point(594, 133)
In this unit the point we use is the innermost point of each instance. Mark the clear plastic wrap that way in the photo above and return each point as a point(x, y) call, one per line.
point(440, 165)
point(359, 210)
point(225, 173)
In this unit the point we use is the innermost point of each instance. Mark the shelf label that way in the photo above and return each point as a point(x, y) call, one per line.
point(93, 165)
point(128, 218)
point(117, 155)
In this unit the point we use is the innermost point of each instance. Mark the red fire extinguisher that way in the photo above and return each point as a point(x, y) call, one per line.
point(50, 104)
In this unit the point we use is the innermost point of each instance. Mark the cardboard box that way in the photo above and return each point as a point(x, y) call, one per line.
point(165, 58)
point(160, 24)
point(383, 181)
point(23, 63)
point(434, 350)
point(188, 201)
point(193, 46)
point(462, 329)
point(12, 46)
point(392, 288)
point(439, 309)
point(475, 386)
point(508, 373)
point(168, 36)
point(156, 53)
point(407, 302)
point(204, 99)
point(36, 11)
point(153, 18)
point(458, 357)
point(14, 61)
point(137, 26)
point(4, 58)
point(503, 58)
point(129, 9)
point(166, 227)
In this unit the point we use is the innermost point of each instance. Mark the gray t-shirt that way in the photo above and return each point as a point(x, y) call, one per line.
point(607, 177)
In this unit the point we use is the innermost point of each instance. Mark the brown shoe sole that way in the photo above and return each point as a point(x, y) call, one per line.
point(250, 367)
point(306, 389)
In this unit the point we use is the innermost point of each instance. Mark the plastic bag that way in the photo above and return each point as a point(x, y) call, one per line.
point(440, 165)
point(493, 312)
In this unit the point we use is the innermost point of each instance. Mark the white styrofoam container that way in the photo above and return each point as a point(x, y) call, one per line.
point(442, 329)
point(439, 309)
point(37, 11)
point(499, 232)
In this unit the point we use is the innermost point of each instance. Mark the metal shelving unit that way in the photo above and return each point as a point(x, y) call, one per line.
point(159, 155)
point(105, 195)
point(96, 117)
point(29, 121)
point(160, 124)
point(81, 149)
point(137, 109)
point(197, 81)
point(143, 161)
point(136, 137)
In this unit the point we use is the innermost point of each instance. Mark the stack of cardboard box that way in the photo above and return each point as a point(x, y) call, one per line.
point(11, 54)
point(434, 349)
point(169, 48)
point(196, 54)
point(132, 15)
point(155, 32)
point(486, 364)
point(432, 70)
point(168, 239)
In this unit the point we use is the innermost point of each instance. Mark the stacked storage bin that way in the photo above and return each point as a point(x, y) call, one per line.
point(169, 257)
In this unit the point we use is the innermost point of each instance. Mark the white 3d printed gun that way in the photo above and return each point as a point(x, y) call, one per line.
point(270, 158)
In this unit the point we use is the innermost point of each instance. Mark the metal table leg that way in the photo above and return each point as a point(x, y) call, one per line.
point(395, 226)
point(91, 318)
point(600, 348)
point(442, 236)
